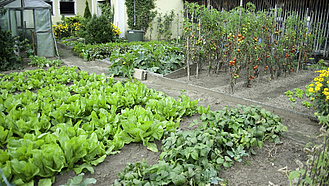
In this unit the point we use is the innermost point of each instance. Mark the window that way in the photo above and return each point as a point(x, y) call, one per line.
point(52, 7)
point(67, 7)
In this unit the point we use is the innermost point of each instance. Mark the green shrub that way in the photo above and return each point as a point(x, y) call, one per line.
point(99, 30)
point(8, 59)
point(87, 13)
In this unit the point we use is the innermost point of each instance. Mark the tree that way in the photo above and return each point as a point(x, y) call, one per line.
point(87, 13)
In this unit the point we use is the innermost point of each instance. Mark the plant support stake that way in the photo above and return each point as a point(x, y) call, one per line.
point(177, 28)
point(134, 12)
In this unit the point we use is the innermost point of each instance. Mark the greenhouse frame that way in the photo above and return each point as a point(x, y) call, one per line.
point(30, 19)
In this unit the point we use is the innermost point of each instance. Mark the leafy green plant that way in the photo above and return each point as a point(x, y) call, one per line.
point(64, 125)
point(77, 181)
point(44, 62)
point(307, 104)
point(194, 157)
point(299, 93)
point(289, 93)
point(158, 57)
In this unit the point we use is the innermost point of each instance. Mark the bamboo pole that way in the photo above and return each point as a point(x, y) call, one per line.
point(318, 46)
point(327, 35)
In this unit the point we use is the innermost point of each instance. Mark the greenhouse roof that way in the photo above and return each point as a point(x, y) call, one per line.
point(5, 2)
point(27, 4)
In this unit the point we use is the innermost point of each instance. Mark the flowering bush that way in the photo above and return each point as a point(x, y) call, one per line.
point(61, 30)
point(66, 30)
point(115, 30)
point(320, 92)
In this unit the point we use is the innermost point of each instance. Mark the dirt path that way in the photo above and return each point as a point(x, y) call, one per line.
point(90, 66)
point(259, 169)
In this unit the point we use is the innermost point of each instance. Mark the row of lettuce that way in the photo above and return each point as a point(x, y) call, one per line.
point(63, 119)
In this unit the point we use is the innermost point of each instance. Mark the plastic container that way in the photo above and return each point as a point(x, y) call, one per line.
point(135, 35)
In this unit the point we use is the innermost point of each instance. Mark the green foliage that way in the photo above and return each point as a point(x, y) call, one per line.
point(87, 14)
point(44, 62)
point(244, 39)
point(289, 93)
point(144, 14)
point(316, 169)
point(155, 56)
point(299, 93)
point(320, 92)
point(8, 59)
point(194, 157)
point(307, 104)
point(108, 11)
point(74, 120)
point(77, 181)
point(164, 24)
point(99, 29)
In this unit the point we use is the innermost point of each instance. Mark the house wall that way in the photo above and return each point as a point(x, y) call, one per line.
point(79, 8)
point(165, 6)
point(162, 6)
point(120, 18)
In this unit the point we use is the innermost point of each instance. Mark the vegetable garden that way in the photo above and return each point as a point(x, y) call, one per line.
point(64, 119)
point(58, 118)
point(259, 43)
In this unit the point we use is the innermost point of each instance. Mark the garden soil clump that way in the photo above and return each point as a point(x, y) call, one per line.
point(259, 169)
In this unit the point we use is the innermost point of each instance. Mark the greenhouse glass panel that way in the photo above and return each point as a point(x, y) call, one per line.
point(43, 22)
point(13, 23)
point(4, 21)
point(45, 45)
point(28, 19)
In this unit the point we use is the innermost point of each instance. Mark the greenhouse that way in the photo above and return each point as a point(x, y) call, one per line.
point(30, 19)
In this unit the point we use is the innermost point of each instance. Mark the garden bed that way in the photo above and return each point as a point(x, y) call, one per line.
point(259, 169)
point(263, 89)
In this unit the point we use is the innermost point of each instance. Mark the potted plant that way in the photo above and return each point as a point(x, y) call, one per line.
point(140, 13)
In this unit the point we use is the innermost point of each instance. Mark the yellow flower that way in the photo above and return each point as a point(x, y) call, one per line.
point(317, 88)
point(321, 79)
point(312, 99)
point(124, 62)
point(311, 85)
point(316, 79)
point(311, 90)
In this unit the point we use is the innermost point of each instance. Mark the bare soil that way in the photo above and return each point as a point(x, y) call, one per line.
point(259, 169)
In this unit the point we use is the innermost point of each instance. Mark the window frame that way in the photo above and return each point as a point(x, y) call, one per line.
point(67, 1)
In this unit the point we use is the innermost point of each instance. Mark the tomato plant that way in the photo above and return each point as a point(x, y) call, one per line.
point(262, 43)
